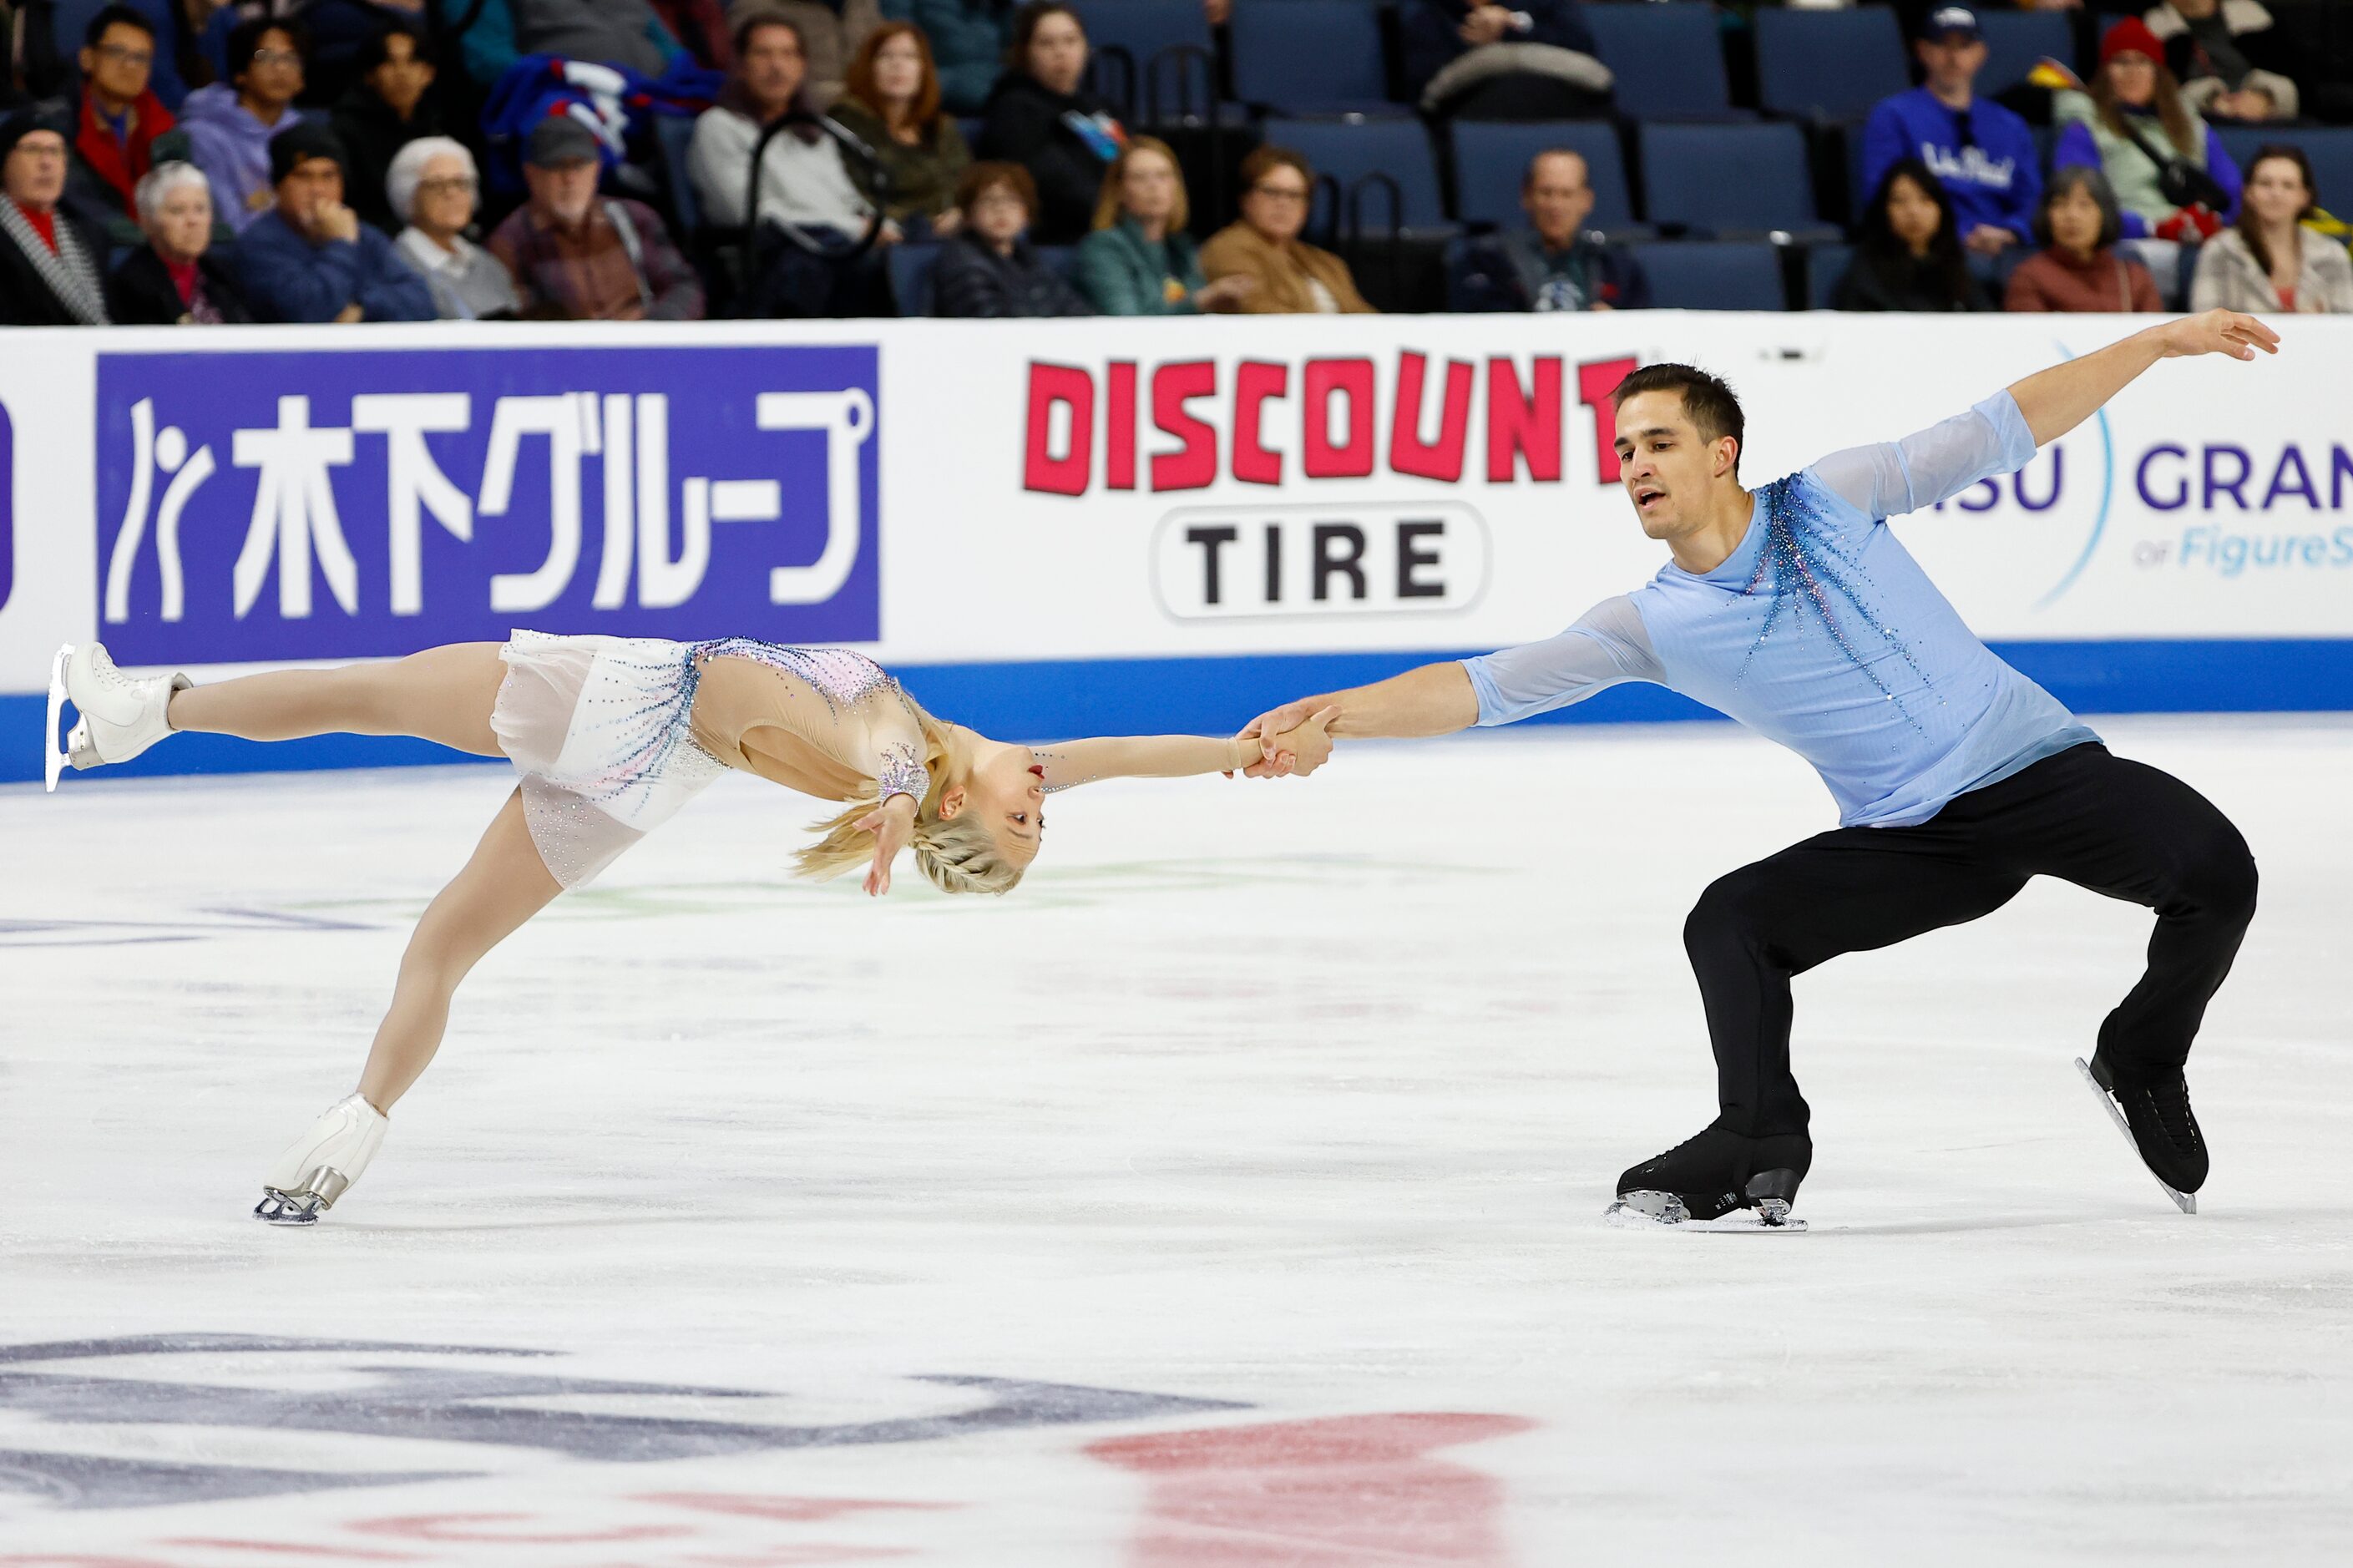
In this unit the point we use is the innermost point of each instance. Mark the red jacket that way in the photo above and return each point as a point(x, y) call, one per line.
point(122, 166)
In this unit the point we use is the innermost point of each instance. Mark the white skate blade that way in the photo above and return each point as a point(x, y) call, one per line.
point(53, 756)
point(2186, 1202)
point(1624, 1215)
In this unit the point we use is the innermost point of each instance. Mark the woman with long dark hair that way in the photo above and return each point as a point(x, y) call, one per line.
point(2268, 260)
point(1911, 257)
point(1041, 116)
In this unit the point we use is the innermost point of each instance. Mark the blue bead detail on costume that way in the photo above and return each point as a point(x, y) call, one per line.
point(1803, 565)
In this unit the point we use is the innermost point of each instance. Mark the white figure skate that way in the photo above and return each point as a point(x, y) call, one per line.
point(322, 1164)
point(121, 715)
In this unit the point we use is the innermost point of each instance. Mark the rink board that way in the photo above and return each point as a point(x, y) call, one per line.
point(1073, 525)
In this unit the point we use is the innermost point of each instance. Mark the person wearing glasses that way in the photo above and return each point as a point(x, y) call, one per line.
point(51, 263)
point(433, 185)
point(1293, 277)
point(229, 123)
point(120, 117)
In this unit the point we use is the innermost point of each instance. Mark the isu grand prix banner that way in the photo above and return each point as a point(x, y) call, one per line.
point(1129, 504)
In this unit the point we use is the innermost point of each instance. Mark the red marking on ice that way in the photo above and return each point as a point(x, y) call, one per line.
point(792, 1556)
point(448, 1527)
point(1308, 1494)
point(347, 1554)
point(752, 1506)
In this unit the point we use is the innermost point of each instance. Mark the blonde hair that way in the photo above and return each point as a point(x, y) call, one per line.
point(1110, 201)
point(958, 854)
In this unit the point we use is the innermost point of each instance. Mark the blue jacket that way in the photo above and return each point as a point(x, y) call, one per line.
point(1996, 179)
point(288, 278)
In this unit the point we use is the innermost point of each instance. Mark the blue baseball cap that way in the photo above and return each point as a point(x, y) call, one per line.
point(1947, 20)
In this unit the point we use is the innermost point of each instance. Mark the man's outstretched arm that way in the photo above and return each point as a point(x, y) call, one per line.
point(1608, 644)
point(2056, 401)
point(1434, 700)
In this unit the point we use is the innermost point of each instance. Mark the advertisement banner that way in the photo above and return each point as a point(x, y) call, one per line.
point(274, 506)
point(1147, 520)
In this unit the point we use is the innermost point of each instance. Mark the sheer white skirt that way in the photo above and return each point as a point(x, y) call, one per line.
point(599, 728)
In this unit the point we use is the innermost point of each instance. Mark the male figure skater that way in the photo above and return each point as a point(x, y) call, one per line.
point(1794, 609)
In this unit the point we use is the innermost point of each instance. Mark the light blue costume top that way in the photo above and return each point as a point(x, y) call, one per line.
point(1821, 632)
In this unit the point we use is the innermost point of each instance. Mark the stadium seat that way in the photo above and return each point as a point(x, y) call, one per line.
point(1701, 276)
point(1828, 64)
point(1825, 264)
point(1490, 156)
point(1150, 31)
point(1348, 151)
point(910, 277)
point(1727, 178)
point(1144, 27)
point(1668, 59)
point(673, 133)
point(1310, 56)
point(2016, 39)
point(2330, 148)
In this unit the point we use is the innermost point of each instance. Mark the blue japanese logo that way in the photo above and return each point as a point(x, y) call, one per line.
point(265, 506)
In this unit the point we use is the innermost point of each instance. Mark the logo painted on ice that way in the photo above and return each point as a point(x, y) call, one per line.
point(331, 505)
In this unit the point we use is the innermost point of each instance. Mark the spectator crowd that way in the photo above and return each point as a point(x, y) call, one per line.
point(231, 161)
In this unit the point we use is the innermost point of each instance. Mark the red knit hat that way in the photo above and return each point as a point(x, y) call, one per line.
point(2130, 36)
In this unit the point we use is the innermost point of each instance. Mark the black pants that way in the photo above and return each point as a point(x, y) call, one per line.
point(2113, 826)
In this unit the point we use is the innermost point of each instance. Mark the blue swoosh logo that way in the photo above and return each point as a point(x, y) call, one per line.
point(2100, 520)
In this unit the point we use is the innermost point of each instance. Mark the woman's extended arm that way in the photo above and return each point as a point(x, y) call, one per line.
point(1073, 763)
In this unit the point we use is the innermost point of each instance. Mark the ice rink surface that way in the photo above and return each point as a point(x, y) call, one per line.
point(1228, 1197)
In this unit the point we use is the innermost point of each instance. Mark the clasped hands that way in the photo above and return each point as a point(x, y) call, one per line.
point(1291, 739)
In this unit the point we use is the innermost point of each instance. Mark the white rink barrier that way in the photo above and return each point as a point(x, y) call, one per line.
point(1160, 523)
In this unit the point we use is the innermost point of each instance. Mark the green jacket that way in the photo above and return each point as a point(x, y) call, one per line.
point(1124, 274)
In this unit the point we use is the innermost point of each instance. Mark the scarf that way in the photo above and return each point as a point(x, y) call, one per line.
point(70, 274)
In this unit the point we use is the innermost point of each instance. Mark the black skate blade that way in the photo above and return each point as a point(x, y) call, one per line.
point(1671, 1215)
point(2186, 1202)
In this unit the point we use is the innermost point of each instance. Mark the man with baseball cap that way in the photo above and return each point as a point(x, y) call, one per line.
point(1983, 154)
point(579, 256)
point(309, 258)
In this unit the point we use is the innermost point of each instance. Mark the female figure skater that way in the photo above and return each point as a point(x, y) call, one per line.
point(611, 736)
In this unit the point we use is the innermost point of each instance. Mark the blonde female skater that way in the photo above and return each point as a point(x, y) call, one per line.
point(611, 736)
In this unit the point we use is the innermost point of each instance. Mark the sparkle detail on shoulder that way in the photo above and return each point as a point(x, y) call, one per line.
point(1803, 567)
point(654, 735)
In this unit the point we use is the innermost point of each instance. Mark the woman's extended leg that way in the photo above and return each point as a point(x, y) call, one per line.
point(502, 886)
point(442, 694)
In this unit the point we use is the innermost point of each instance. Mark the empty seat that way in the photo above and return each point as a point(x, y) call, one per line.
point(1349, 151)
point(910, 277)
point(1712, 276)
point(1144, 27)
point(673, 134)
point(2330, 148)
point(1727, 178)
point(1310, 56)
point(1668, 59)
point(1825, 264)
point(1150, 32)
point(1490, 157)
point(1828, 64)
point(2016, 39)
